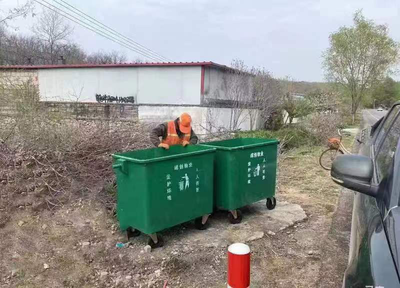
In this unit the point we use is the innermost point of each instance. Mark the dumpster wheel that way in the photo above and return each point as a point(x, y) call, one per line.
point(232, 218)
point(132, 233)
point(198, 223)
point(153, 245)
point(271, 203)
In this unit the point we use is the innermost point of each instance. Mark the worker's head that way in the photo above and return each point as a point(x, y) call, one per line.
point(185, 123)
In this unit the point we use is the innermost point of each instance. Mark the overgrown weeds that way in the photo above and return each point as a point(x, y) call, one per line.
point(47, 162)
point(74, 160)
point(290, 137)
point(324, 126)
point(314, 130)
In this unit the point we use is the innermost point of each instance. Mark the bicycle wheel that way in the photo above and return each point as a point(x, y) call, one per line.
point(327, 157)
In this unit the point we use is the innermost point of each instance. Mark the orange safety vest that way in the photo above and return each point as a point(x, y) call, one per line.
point(172, 136)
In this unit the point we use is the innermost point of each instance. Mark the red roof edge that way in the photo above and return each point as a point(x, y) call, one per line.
point(155, 64)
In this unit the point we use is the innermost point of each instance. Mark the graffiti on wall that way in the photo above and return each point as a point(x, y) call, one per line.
point(114, 99)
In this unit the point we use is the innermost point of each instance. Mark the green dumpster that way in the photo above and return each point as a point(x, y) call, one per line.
point(245, 172)
point(158, 189)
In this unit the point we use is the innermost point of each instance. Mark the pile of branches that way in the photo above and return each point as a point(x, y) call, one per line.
point(58, 163)
point(324, 126)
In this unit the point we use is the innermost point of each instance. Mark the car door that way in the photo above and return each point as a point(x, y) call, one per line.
point(363, 203)
point(390, 205)
point(382, 244)
point(369, 243)
point(385, 149)
point(382, 130)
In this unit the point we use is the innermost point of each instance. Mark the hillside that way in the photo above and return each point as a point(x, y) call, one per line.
point(303, 87)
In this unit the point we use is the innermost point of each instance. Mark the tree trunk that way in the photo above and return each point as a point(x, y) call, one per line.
point(252, 116)
point(353, 107)
point(231, 120)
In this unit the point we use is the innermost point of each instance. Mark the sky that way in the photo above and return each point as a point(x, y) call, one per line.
point(286, 37)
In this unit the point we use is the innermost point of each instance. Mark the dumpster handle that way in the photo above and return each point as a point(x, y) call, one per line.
point(273, 141)
point(115, 166)
point(163, 158)
point(120, 165)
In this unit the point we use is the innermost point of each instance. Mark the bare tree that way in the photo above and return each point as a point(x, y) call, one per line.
point(72, 53)
point(250, 93)
point(18, 11)
point(20, 50)
point(52, 30)
point(237, 86)
point(324, 100)
point(17, 49)
point(6, 16)
point(138, 60)
point(113, 57)
point(266, 96)
point(295, 105)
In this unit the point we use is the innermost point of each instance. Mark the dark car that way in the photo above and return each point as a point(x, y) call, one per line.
point(375, 174)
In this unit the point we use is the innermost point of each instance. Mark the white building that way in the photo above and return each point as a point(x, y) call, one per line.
point(161, 90)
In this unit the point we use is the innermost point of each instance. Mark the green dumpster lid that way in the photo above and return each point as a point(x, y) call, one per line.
point(160, 154)
point(240, 143)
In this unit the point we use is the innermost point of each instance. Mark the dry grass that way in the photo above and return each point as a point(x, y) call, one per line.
point(278, 261)
point(285, 259)
point(74, 163)
point(324, 126)
point(302, 180)
point(58, 173)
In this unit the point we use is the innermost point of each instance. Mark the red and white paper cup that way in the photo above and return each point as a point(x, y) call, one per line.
point(238, 266)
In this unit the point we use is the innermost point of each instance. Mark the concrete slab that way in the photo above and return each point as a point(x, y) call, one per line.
point(351, 131)
point(257, 222)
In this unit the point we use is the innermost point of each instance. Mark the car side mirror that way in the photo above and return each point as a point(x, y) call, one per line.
point(354, 172)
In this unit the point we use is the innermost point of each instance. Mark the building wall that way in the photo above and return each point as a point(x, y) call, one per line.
point(148, 85)
point(215, 81)
point(82, 84)
point(169, 85)
point(15, 84)
point(160, 114)
point(91, 111)
point(14, 78)
point(222, 119)
point(80, 111)
point(163, 93)
point(205, 119)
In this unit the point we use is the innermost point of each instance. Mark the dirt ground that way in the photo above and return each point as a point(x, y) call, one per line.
point(75, 245)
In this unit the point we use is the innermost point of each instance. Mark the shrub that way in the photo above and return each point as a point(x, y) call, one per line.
point(290, 137)
point(53, 161)
point(325, 126)
point(314, 130)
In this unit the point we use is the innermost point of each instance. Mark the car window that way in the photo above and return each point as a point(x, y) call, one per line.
point(385, 127)
point(387, 186)
point(387, 150)
point(395, 194)
point(376, 125)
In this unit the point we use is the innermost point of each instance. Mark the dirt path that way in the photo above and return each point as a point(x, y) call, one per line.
point(335, 254)
point(74, 246)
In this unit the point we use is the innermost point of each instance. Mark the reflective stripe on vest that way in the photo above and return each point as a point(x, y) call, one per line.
point(172, 135)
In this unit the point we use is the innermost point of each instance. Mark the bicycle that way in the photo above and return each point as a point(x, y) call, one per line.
point(335, 146)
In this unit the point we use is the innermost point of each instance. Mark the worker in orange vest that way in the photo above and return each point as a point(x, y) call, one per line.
point(176, 132)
